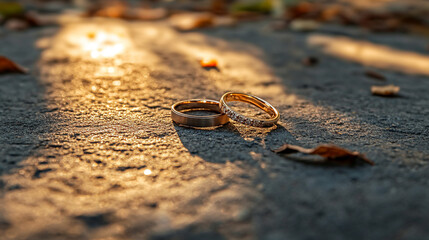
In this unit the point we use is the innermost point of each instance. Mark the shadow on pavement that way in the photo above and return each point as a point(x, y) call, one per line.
point(226, 143)
point(24, 115)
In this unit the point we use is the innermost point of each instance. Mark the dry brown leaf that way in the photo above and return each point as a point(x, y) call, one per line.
point(218, 7)
point(190, 21)
point(396, 19)
point(112, 10)
point(208, 63)
point(16, 24)
point(380, 23)
point(330, 153)
point(331, 13)
point(385, 91)
point(148, 14)
point(310, 61)
point(304, 10)
point(7, 66)
point(375, 75)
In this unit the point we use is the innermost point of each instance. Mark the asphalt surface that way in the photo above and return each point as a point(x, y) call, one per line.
point(88, 149)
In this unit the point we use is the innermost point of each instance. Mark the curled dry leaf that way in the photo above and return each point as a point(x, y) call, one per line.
point(7, 66)
point(385, 91)
point(310, 61)
point(330, 153)
point(219, 7)
point(375, 75)
point(208, 63)
point(16, 24)
point(374, 19)
point(111, 10)
point(148, 14)
point(304, 10)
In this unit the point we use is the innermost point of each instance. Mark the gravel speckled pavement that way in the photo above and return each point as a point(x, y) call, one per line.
point(79, 134)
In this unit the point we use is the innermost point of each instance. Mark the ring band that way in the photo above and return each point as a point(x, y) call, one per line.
point(256, 101)
point(181, 117)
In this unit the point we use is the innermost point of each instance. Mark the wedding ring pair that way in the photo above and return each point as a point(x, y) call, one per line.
point(223, 111)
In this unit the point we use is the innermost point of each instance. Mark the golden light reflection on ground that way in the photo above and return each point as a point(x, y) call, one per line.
point(111, 45)
point(114, 147)
point(95, 41)
point(370, 54)
point(102, 44)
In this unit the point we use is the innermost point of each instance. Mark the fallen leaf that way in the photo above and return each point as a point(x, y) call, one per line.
point(330, 153)
point(148, 14)
point(114, 9)
point(208, 63)
point(385, 91)
point(303, 10)
point(16, 24)
point(304, 25)
point(331, 13)
point(33, 19)
point(349, 16)
point(380, 23)
point(190, 21)
point(373, 19)
point(7, 66)
point(310, 61)
point(375, 75)
point(218, 7)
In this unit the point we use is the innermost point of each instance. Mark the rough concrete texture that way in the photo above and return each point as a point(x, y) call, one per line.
point(78, 134)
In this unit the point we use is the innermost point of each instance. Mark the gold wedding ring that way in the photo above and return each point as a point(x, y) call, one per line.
point(256, 101)
point(179, 115)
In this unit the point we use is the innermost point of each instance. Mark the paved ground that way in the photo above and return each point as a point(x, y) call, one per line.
point(79, 134)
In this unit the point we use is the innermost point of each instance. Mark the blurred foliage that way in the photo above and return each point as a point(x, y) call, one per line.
point(263, 6)
point(9, 9)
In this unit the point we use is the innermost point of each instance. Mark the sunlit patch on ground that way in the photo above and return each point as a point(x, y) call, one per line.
point(96, 41)
point(111, 152)
point(103, 44)
point(371, 54)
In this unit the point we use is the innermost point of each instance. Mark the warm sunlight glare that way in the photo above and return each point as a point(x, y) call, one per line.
point(371, 54)
point(147, 172)
point(102, 44)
